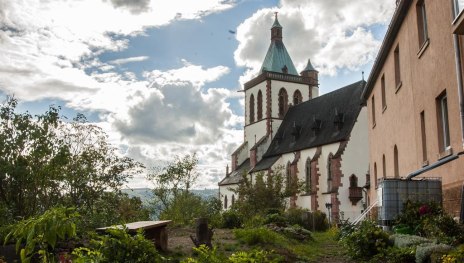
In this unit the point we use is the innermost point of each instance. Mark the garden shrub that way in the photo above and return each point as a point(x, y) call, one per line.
point(231, 219)
point(297, 216)
point(428, 220)
point(255, 236)
point(211, 255)
point(254, 256)
point(254, 221)
point(277, 219)
point(297, 232)
point(444, 229)
point(41, 234)
point(320, 221)
point(345, 229)
point(424, 251)
point(395, 255)
point(119, 246)
point(454, 256)
point(206, 255)
point(365, 241)
point(401, 240)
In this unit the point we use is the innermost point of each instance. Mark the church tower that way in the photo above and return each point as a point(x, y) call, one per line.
point(269, 95)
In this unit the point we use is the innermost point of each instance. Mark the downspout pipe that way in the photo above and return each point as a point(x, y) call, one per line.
point(457, 54)
point(432, 166)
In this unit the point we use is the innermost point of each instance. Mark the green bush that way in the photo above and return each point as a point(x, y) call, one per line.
point(297, 232)
point(455, 256)
point(41, 234)
point(401, 240)
point(297, 216)
point(231, 219)
point(255, 221)
point(428, 220)
point(365, 241)
point(424, 251)
point(395, 255)
point(261, 236)
point(206, 255)
point(254, 256)
point(119, 246)
point(276, 219)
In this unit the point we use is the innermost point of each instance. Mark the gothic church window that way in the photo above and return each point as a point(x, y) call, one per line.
point(260, 105)
point(225, 202)
point(283, 102)
point(329, 173)
point(297, 98)
point(308, 176)
point(252, 108)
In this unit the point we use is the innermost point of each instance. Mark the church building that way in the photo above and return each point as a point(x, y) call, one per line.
point(319, 140)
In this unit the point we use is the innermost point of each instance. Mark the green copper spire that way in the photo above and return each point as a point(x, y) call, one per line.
point(277, 58)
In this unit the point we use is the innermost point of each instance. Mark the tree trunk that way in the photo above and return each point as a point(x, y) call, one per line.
point(204, 234)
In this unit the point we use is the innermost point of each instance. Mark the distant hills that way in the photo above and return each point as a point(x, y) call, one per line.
point(146, 194)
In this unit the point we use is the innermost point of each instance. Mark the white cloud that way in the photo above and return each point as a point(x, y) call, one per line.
point(121, 61)
point(334, 34)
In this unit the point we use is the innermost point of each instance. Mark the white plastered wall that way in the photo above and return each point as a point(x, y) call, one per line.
point(290, 87)
point(326, 150)
point(304, 201)
point(355, 160)
point(254, 132)
point(226, 190)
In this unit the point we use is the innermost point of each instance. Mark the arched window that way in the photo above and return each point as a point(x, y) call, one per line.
point(233, 199)
point(384, 167)
point(353, 181)
point(297, 98)
point(329, 173)
point(395, 162)
point(225, 202)
point(288, 175)
point(283, 102)
point(375, 175)
point(308, 175)
point(252, 108)
point(260, 105)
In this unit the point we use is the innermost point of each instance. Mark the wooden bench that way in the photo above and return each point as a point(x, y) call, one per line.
point(153, 230)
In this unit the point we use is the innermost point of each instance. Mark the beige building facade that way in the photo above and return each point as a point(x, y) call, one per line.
point(414, 99)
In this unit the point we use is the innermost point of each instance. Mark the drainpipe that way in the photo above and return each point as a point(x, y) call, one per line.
point(457, 54)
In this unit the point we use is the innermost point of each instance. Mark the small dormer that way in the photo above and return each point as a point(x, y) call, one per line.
point(339, 119)
point(296, 129)
point(316, 126)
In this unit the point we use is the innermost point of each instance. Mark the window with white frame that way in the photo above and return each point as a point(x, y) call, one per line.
point(443, 125)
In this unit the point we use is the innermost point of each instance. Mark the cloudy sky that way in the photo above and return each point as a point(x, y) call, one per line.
point(161, 77)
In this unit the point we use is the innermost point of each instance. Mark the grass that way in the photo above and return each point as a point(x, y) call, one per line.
point(324, 246)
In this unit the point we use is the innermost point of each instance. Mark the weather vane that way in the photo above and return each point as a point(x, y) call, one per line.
point(276, 14)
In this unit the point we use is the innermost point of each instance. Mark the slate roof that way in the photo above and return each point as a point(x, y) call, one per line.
point(323, 120)
point(265, 164)
point(236, 176)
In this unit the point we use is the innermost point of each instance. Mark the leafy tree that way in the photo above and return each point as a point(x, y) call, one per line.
point(172, 197)
point(264, 194)
point(47, 160)
point(173, 179)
